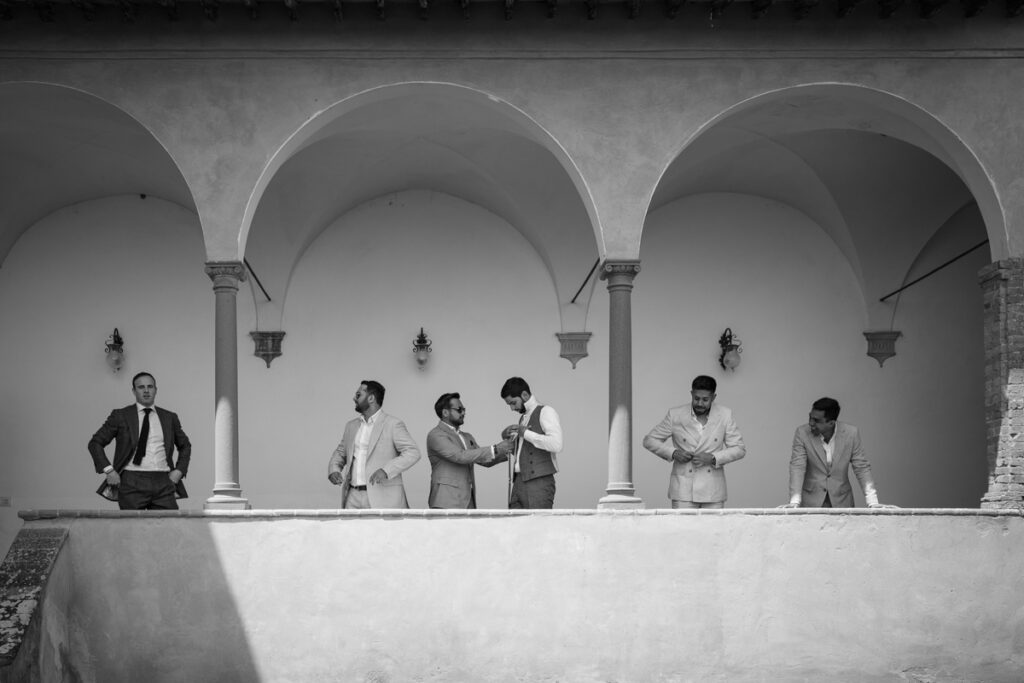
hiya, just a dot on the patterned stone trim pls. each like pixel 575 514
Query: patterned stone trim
pixel 23 575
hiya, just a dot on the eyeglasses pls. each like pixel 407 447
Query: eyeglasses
pixel 458 410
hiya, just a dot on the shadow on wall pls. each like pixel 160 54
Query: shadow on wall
pixel 132 600
pixel 413 596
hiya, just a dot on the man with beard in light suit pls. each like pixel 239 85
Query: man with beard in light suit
pixel 374 451
pixel 699 439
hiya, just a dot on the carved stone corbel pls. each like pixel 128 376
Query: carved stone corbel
pixel 882 344
pixel 574 346
pixel 268 344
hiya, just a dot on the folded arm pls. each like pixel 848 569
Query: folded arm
pixel 337 462
pixel 551 440
pixel 408 453
pixel 733 447
pixel 184 446
pixel 659 440
pixel 103 436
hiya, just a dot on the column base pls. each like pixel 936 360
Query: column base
pixel 218 502
pixel 619 501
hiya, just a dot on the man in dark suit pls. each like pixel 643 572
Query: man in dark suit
pixel 143 473
pixel 824 450
pixel 452 453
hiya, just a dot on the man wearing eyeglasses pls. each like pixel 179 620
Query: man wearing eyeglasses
pixel 824 450
pixel 452 453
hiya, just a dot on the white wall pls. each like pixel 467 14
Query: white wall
pixel 593 597
pixel 359 297
pixel 125 262
pixel 769 273
pixel 415 259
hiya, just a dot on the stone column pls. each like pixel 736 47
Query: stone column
pixel 620 492
pixel 227 494
pixel 1002 286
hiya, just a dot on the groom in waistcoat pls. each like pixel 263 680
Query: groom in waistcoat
pixel 537 442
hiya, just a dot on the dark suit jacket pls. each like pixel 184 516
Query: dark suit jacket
pixel 122 427
pixel 451 467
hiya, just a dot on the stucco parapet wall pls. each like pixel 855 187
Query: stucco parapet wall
pixel 45 515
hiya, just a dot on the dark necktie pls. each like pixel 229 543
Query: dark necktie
pixel 140 449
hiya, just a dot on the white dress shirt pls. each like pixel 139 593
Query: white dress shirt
pixel 155 459
pixel 361 449
pixel 551 440
pixel 828 446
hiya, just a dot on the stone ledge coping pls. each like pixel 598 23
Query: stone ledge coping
pixel 36 515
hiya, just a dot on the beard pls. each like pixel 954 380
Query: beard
pixel 362 407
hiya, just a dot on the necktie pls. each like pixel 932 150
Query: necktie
pixel 517 442
pixel 140 448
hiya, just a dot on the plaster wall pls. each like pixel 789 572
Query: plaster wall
pixel 591 597
pixel 412 259
pixel 125 262
pixel 223 101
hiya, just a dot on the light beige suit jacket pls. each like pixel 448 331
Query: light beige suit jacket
pixel 811 477
pixel 391 449
pixel 680 429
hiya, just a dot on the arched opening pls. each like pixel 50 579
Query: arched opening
pixel 420 205
pixel 98 232
pixel 787 219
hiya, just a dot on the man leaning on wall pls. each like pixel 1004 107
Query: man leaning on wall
pixel 824 450
pixel 143 475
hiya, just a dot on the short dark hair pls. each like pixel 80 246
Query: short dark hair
pixel 143 374
pixel 704 383
pixel 515 386
pixel 827 405
pixel 443 402
pixel 375 389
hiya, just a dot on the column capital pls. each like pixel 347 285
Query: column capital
pixel 620 267
pixel 225 274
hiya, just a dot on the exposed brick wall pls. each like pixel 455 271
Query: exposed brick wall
pixel 1002 285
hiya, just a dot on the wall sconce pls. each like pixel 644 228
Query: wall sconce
pixel 115 351
pixel 732 347
pixel 421 348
